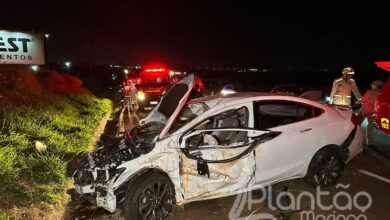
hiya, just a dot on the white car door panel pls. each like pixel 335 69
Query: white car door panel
pixel 210 168
pixel 289 154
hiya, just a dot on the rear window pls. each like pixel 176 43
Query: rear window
pixel 153 83
pixel 156 80
pixel 272 114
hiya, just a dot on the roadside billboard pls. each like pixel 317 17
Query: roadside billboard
pixel 21 48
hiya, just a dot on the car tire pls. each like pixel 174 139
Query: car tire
pixel 325 168
pixel 151 196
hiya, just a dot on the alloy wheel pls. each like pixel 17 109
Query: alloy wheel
pixel 155 202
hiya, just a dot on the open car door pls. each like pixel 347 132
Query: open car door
pixel 219 160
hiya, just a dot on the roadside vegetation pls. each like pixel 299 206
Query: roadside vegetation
pixel 45 120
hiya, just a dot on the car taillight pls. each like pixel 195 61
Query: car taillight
pixel 354 119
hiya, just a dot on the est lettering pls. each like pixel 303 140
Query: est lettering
pixel 14 44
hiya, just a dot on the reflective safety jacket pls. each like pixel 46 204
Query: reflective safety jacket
pixel 341 92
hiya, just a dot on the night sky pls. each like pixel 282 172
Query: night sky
pixel 200 33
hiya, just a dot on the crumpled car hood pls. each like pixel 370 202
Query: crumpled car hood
pixel 135 142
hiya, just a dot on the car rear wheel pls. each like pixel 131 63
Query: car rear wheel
pixel 152 196
pixel 325 168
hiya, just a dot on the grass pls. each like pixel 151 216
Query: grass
pixel 64 122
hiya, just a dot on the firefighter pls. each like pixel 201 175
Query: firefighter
pixel 367 109
pixel 126 92
pixel 197 90
pixel 132 96
pixel 342 87
pixel 172 83
pixel 369 98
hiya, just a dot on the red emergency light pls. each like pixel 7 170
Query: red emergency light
pixel 155 70
pixel 384 65
pixel 134 80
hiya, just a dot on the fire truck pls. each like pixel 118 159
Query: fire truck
pixel 146 88
pixel 377 131
pixel 382 104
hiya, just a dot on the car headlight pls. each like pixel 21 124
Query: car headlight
pixel 140 95
pixel 227 91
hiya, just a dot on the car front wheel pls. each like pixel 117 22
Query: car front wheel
pixel 152 196
pixel 325 168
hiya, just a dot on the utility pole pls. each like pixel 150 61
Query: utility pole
pixel 45 42
pixel 89 55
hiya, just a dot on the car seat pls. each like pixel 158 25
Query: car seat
pixel 227 137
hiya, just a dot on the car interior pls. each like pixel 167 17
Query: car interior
pixel 231 119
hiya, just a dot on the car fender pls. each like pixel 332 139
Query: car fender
pixel 166 161
pixel 331 122
pixel 332 147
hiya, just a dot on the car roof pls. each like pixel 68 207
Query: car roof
pixel 289 85
pixel 241 97
pixel 229 97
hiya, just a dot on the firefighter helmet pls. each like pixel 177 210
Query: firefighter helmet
pixel 348 70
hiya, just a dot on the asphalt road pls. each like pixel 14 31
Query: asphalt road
pixel 362 193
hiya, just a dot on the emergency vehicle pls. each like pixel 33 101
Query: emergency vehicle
pixel 152 83
pixel 150 86
pixel 377 133
pixel 382 104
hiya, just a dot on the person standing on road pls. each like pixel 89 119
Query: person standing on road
pixel 342 87
pixel 126 91
pixel 367 109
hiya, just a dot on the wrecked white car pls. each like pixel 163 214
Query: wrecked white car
pixel 214 147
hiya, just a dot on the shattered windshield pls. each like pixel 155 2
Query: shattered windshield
pixel 188 113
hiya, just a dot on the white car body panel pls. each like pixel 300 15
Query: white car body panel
pixel 189 81
pixel 356 146
pixel 288 154
pixel 224 178
pixel 285 157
